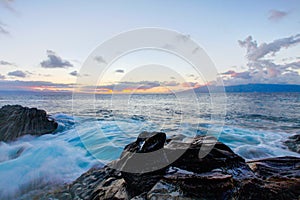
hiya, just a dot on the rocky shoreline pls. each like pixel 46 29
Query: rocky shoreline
pixel 220 175
pixel 16 121
pixel 157 167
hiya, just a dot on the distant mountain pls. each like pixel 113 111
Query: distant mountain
pixel 252 88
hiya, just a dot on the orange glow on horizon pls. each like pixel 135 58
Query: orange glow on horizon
pixel 99 90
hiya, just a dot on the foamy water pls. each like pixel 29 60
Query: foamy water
pixel 92 138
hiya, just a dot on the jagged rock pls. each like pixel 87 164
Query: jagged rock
pixel 146 142
pixel 16 121
pixel 279 178
pixel 133 163
pixel 220 157
pixel 216 176
pixel 293 143
pixel 94 184
pixel 112 188
pixel 269 168
pixel 163 190
pixel 221 174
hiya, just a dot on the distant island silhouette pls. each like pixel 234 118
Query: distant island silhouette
pixel 256 87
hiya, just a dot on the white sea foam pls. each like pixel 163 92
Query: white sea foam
pixel 255 144
pixel 33 162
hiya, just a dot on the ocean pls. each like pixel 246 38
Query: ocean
pixel 94 131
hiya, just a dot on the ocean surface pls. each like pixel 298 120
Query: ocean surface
pixel 93 131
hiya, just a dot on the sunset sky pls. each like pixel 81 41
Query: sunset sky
pixel 43 44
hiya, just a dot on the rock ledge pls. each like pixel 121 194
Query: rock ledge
pixel 220 175
pixel 16 121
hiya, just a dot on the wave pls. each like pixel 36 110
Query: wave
pixel 256 144
pixel 33 163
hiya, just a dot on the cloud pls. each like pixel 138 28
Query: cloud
pixel 17 73
pixel 54 61
pixel 261 65
pixel 3 29
pixel 18 85
pixel 182 37
pixel 127 85
pixel 100 59
pixel 190 84
pixel 276 15
pixel 44 75
pixel 7 5
pixel 229 72
pixel 74 73
pixel 169 47
pixel 32 85
pixel 3 62
pixel 256 52
pixel 120 71
pixel 293 65
pixel 142 84
pixel 242 75
pixel 170 83
pixel 2 76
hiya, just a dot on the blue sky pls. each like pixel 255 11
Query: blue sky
pixel 71 30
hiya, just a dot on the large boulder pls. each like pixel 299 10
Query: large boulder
pixel 221 174
pixel 280 177
pixel 218 175
pixel 16 121
pixel 139 170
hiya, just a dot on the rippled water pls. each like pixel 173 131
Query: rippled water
pixel 96 129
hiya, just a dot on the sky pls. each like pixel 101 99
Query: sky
pixel 44 44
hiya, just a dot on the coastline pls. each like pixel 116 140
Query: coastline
pixel 220 168
pixel 220 175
